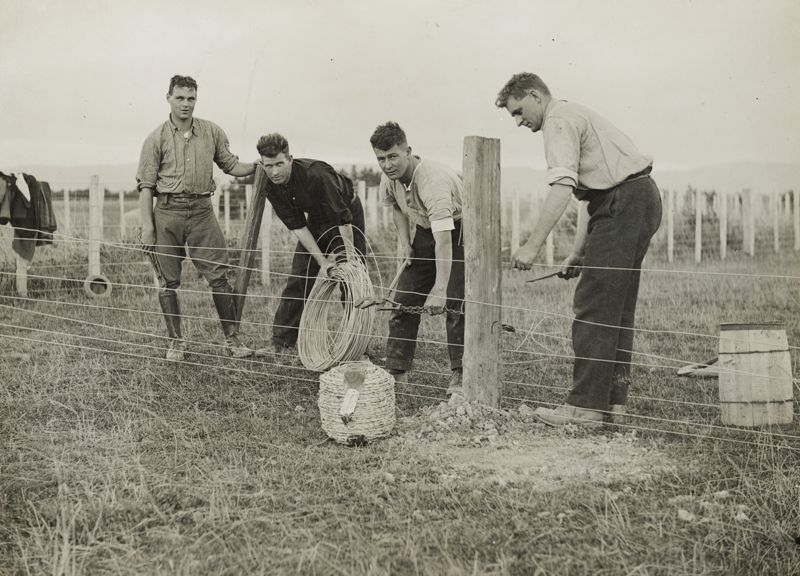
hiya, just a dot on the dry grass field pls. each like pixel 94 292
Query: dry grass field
pixel 114 461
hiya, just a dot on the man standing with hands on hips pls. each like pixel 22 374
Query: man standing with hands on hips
pixel 589 157
pixel 176 166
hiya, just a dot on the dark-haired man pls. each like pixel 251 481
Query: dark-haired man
pixel 426 200
pixel 319 206
pixel 176 166
pixel 589 157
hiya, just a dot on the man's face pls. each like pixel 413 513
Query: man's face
pixel 395 162
pixel 527 111
pixel 278 168
pixel 182 101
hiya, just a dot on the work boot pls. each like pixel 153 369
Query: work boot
pixel 400 376
pixel 568 414
pixel 172 318
pixel 225 304
pixel 177 350
pixel 456 383
pixel 618 414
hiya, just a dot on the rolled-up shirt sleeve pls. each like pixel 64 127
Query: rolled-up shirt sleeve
pixel 562 149
pixel 149 160
pixel 437 195
pixel 223 157
pixel 386 192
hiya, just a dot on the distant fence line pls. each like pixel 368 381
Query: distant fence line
pixel 735 219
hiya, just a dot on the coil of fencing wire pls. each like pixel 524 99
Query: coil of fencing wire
pixel 332 330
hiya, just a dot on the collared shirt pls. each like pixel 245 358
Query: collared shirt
pixel 586 151
pixel 433 198
pixel 171 163
pixel 316 189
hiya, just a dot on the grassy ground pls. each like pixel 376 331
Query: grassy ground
pixel 116 462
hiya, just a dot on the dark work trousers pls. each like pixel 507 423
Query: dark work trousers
pixel 621 222
pixel 304 274
pixel 189 220
pixel 413 287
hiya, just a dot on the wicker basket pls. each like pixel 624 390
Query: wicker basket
pixel 374 413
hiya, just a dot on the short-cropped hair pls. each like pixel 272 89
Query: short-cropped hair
pixel 272 144
pixel 518 86
pixel 388 135
pixel 178 81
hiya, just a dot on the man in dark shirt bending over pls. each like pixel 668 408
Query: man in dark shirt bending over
pixel 297 187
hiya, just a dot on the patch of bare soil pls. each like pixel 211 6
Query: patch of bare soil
pixel 485 445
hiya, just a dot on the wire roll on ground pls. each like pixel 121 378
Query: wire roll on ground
pixel 332 330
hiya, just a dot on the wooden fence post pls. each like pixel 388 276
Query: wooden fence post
pixel 95 224
pixel 723 225
pixel 122 214
pixel 671 225
pixel 373 208
pixel 215 204
pixel 515 219
pixel 483 271
pixel 21 276
pixel 776 223
pixel 748 216
pixel 266 236
pixel 227 211
pixel 796 218
pixel 249 241
pixel 248 197
pixel 66 228
pixel 698 225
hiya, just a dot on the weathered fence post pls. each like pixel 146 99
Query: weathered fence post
pixel 796 217
pixel 698 225
pixel 21 276
pixel 249 241
pixel 122 214
pixel 215 204
pixel 96 285
pixel 66 228
pixel 266 235
pixel 227 211
pixel 372 206
pixel 776 223
pixel 483 271
pixel 723 224
pixel 748 216
pixel 670 225
pixel 248 197
pixel 95 224
pixel 515 219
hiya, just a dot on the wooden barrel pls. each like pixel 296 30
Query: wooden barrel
pixel 755 374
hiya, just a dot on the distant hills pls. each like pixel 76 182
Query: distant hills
pixel 729 177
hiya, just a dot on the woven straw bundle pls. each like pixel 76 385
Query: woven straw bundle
pixel 374 413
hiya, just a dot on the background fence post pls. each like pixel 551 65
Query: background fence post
pixel 748 216
pixel 796 217
pixel 698 225
pixel 95 224
pixel 66 229
pixel 227 211
pixel 723 225
pixel 515 219
pixel 776 221
pixel 122 215
pixel 266 236
pixel 670 225
pixel 374 208
pixel 21 276
pixel 483 270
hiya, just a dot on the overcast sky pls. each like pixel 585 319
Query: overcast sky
pixel 693 83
